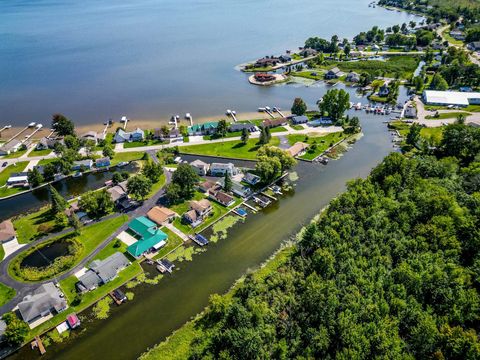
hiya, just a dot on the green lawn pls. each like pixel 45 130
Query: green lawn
pixel 318 144
pixel 227 149
pixel 173 241
pixel 6 294
pixel 319 74
pixel 114 246
pixel 433 133
pixel 450 115
pixel 278 129
pixel 297 127
pixel 15 154
pixel 46 161
pixel 404 66
pixel 183 207
pixel 127 156
pixel 157 186
pixel 2 253
pixel 229 134
pixel 36 152
pixel 34 225
pixel 451 40
pixel 377 98
pixel 134 144
pixel 6 173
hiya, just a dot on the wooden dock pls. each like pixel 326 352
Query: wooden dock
pixel 37 343
pixel 114 298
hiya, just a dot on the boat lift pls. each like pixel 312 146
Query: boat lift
pixel 38 127
pixel 189 118
pixel 124 120
pixel 233 114
pixel 269 112
pixel 276 109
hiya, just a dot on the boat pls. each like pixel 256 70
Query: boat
pixel 123 119
pixel 77 174
pixel 32 124
pixel 229 112
pixel 277 190
pixel 267 108
pixel 358 106
pixel 123 163
pixel 39 126
pixel 188 116
pixel 119 296
pixel 261 109
pixel 73 321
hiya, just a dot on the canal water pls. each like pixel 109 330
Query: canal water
pixel 159 309
pixel 94 60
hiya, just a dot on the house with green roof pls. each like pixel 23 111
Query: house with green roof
pixel 148 234
pixel 208 128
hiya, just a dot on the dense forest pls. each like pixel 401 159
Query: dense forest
pixel 390 270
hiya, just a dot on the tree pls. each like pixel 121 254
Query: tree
pixel 186 178
pixel 244 137
pixel 74 222
pixel 335 103
pixel 62 125
pixel 35 178
pixel 59 204
pixel 268 168
pixel 263 139
pixel 71 142
pixel 395 29
pixel 299 107
pixel 222 128
pixel 96 203
pixel 152 171
pixel 61 220
pixel 413 134
pixel 119 177
pixel 108 151
pixel 347 49
pixel 227 182
pixel 139 186
pixel 173 193
pixel 49 171
pixel 16 331
pixel 418 83
pixel 439 83
pixel 286 160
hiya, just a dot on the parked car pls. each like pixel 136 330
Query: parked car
pixel 4 164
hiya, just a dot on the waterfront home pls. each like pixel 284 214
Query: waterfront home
pixel 334 73
pixel 207 185
pixel 46 143
pixel 42 304
pixel 324 121
pixel 123 136
pixel 158 134
pixel 266 62
pixel 208 128
pixel 296 120
pixel 92 136
pixel 102 162
pixel 384 90
pixel 221 197
pixel 102 272
pixel 285 58
pixel 18 179
pixel 240 189
pixel 456 98
pixel 262 200
pixel 82 164
pixel 161 215
pixel 219 169
pixel 118 192
pixel 251 179
pixel 200 167
pixel 352 77
pixel 271 123
pixel 307 52
pixel 474 46
pixel 7 232
pixel 198 211
pixel 457 34
pixel 72 209
pixel 410 112
pixel 240 126
pixel 10 147
pixel 264 77
pixel 149 235
pixel 298 149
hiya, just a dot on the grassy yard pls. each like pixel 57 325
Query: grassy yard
pixel 278 129
pixel 228 149
pixel 114 246
pixel 173 241
pixel 451 40
pixel 183 207
pixel 404 66
pixel 46 161
pixel 229 134
pixel 6 173
pixel 157 186
pixel 450 115
pixel 15 154
pixel 2 252
pixel 377 98
pixel 434 134
pixel 314 74
pixel 126 156
pixel 36 152
pixel 297 127
pixel 318 144
pixel 34 225
pixel 6 294
pixel 134 144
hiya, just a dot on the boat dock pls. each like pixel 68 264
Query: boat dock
pixel 199 240
pixel 37 129
pixel 118 302
pixel 37 343
pixel 18 134
pixel 250 207
pixel 232 114
pixel 124 120
pixel 6 127
pixel 278 111
pixel 269 112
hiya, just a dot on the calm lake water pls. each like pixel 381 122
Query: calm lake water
pixel 99 59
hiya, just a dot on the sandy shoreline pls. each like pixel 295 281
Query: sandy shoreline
pixel 134 123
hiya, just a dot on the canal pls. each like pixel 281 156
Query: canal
pixel 159 309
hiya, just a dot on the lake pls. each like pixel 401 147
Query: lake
pixel 98 59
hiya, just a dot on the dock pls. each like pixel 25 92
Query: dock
pixel 279 112
pixel 125 120
pixel 269 112
pixel 5 128
pixel 37 343
pixel 250 207
pixel 37 129
pixel 118 302
pixel 18 134
pixel 199 240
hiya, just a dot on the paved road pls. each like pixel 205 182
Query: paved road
pixel 24 289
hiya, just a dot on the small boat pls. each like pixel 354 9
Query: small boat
pixel 32 124
pixel 188 116
pixel 123 163
pixel 267 108
pixel 73 321
pixel 123 119
pixel 39 126
pixel 277 190
pixel 77 174
pixel 229 112
pixel 261 109
pixel 119 296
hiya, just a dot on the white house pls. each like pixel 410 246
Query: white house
pixel 219 169
pixel 200 167
pixel 445 98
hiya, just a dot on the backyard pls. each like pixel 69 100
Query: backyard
pixel 318 144
pixel 6 173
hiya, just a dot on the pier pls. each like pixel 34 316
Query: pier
pixel 18 134
pixel 124 120
pixel 38 128
pixel 37 343
pixel 5 128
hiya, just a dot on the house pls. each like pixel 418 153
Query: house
pixel 92 136
pixel 219 169
pixel 102 162
pixel 299 119
pixel 18 179
pixel 72 209
pixel 208 128
pixel 375 47
pixel 437 46
pixel 38 307
pixel 240 189
pixel 158 134
pixel 161 215
pixel 221 197
pixel 307 52
pixel 262 200
pixel 118 192
pixel 207 185
pixel 456 98
pixel 240 126
pixel 334 73
pixel 384 90
pixel 102 271
pixel 251 179
pixel 266 62
pixel 150 236
pixel 46 143
pixel 200 167
pixel 474 46
pixel 82 164
pixel 410 112
pixel 457 34
pixel 271 123
pixel 352 77
pixel 123 136
pixel 7 232
pixel 297 149
pixel 264 77
pixel 10 147
pixel 285 58
pixel 198 211
pixel 73 321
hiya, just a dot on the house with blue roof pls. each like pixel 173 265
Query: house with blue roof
pixel 149 236
pixel 123 136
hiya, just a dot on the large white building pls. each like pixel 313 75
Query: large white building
pixel 445 98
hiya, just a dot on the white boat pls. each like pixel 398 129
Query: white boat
pixel 229 112
pixel 234 112
pixel 8 126
pixel 39 126
pixel 77 174
pixel 358 106
pixel 188 116
pixel 123 163
pixel 261 109
pixel 32 124
pixel 123 119
pixel 267 108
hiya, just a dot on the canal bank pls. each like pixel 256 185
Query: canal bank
pixel 158 310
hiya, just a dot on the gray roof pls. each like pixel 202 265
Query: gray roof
pixel 241 126
pixel 41 303
pixel 90 280
pixel 107 269
pixel 10 145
